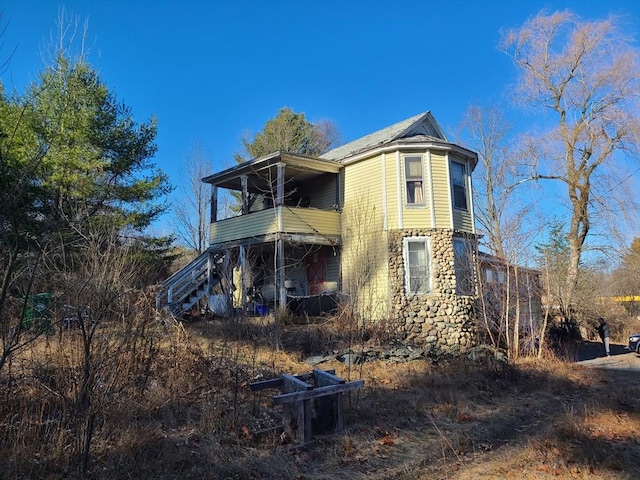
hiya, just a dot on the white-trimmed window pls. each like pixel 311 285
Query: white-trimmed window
pixel 463 264
pixel 414 180
pixel 417 264
pixel 458 173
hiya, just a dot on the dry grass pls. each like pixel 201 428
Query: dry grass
pixel 193 416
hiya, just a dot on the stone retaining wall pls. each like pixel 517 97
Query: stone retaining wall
pixel 441 321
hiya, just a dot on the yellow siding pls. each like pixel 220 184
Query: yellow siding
pixel 462 221
pixel 310 221
pixel 332 278
pixel 391 179
pixel 244 226
pixel 440 180
pixel 365 252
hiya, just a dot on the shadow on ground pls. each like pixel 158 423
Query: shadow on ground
pixel 588 350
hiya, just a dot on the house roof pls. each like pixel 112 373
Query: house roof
pixel 423 125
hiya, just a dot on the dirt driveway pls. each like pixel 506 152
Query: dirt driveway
pixel 590 354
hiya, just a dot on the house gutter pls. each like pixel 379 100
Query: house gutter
pixel 447 147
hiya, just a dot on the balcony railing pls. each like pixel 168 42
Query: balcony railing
pixel 291 220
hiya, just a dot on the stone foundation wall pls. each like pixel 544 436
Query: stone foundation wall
pixel 441 321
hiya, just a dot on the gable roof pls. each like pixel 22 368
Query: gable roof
pixel 422 124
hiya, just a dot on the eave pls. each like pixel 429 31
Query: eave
pixel 294 164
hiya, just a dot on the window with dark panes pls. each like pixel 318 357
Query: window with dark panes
pixel 459 185
pixel 463 264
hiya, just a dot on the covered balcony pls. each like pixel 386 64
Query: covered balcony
pixel 278 197
pixel 277 203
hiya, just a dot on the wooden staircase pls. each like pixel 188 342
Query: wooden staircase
pixel 181 291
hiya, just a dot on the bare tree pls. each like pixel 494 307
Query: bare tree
pixel 587 74
pixel 192 209
pixel 499 210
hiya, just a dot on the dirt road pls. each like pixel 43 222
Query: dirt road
pixel 591 354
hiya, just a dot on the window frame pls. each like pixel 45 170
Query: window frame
pixel 464 186
pixel 426 280
pixel 408 179
pixel 465 273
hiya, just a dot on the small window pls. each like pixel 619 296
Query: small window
pixel 459 185
pixel 463 264
pixel 494 276
pixel 417 265
pixel 414 180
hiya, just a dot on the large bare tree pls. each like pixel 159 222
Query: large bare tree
pixel 586 74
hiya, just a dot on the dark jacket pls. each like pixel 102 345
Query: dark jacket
pixel 603 330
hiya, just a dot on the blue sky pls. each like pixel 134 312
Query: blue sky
pixel 211 70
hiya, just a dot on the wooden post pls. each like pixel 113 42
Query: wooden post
pixel 214 204
pixel 245 195
pixel 296 416
pixel 281 292
pixel 329 408
pixel 243 281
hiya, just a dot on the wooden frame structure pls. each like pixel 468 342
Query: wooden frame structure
pixel 309 400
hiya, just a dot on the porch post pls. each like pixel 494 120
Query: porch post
pixel 280 272
pixel 280 185
pixel 280 261
pixel 214 203
pixel 243 279
pixel 245 195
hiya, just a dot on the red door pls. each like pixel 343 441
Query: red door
pixel 316 268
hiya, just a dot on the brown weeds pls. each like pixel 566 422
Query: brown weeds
pixel 183 409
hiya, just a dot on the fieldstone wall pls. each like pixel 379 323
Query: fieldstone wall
pixel 441 322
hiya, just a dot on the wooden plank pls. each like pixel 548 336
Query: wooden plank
pixel 338 406
pixel 293 384
pixel 277 382
pixel 316 392
pixel 264 384
pixel 328 408
pixel 308 430
pixel 324 378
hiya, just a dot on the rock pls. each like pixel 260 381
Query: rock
pixel 318 359
pixel 351 358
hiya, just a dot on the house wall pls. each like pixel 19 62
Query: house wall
pixel 391 176
pixel 333 269
pixel 441 190
pixel 440 321
pixel 374 210
pixel 464 220
pixel 321 191
pixel 364 248
pixel 414 216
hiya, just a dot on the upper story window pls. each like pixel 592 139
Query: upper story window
pixel 414 178
pixel 459 185
pixel 417 264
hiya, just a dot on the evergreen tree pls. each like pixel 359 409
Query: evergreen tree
pixel 289 132
pixel 97 163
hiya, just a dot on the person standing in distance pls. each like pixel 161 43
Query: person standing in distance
pixel 603 331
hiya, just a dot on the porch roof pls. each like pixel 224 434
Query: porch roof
pixel 299 166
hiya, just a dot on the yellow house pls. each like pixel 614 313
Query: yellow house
pixel 385 222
